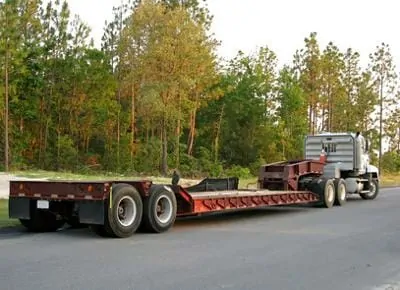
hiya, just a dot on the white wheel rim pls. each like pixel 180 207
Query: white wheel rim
pixel 372 189
pixel 163 209
pixel 331 194
pixel 342 192
pixel 126 211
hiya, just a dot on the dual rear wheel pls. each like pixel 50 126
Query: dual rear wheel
pixel 331 191
pixel 127 212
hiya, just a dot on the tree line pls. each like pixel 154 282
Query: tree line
pixel 156 96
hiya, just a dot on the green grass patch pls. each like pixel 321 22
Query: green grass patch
pixel 390 179
pixel 4 220
pixel 66 175
pixel 51 175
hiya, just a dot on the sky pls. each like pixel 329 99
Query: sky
pixel 282 25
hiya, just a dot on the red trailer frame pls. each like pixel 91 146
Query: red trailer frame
pixel 278 184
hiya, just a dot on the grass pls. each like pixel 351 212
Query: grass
pixel 51 175
pixel 4 220
pixel 387 180
pixel 390 179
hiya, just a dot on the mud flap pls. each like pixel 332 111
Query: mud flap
pixel 19 208
pixel 91 212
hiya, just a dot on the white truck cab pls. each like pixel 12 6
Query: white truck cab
pixel 347 157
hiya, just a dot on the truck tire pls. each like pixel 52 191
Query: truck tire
pixel 159 210
pixel 340 192
pixel 125 215
pixel 325 188
pixel 374 190
pixel 42 221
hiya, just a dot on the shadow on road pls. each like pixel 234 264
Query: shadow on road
pixel 182 222
pixel 238 215
pixel 201 221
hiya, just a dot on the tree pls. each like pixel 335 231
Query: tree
pixel 239 124
pixel 384 75
pixel 308 62
pixel 292 112
pixel 164 56
pixel 351 82
pixel 333 98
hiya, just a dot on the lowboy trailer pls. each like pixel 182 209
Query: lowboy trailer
pixel 121 208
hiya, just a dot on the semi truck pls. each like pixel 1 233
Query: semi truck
pixel 334 165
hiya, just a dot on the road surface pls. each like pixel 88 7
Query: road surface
pixel 353 247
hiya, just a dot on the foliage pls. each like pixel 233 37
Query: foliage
pixel 155 96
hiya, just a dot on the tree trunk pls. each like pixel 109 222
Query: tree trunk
pixel 41 131
pixel 217 135
pixel 46 137
pixel 58 133
pixel 164 158
pixel 132 123
pixel 178 133
pixel 380 124
pixel 192 131
pixel 310 120
pixel 6 113
pixel 118 126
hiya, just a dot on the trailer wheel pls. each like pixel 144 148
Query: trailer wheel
pixel 373 190
pixel 125 215
pixel 159 210
pixel 325 188
pixel 340 192
pixel 42 221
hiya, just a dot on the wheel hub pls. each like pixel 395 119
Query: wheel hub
pixel 164 209
pixel 126 211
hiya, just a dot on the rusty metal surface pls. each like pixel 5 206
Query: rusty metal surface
pixel 221 203
pixel 71 190
pixel 285 175
pixel 240 193
pixel 58 189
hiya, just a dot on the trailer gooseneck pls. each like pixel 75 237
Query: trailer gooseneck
pixel 120 208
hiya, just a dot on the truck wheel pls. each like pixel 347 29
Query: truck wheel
pixel 125 215
pixel 325 188
pixel 341 192
pixel 328 193
pixel 42 221
pixel 159 210
pixel 373 190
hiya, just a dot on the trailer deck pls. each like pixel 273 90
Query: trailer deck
pixel 225 200
pixel 119 208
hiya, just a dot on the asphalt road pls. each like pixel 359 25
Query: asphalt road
pixel 353 247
